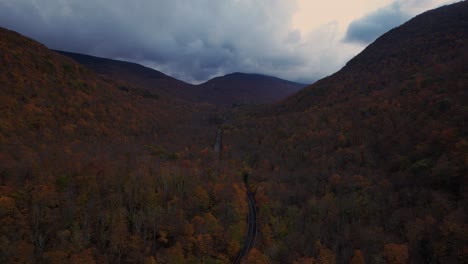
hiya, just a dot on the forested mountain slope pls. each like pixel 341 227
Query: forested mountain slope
pixel 104 171
pixel 369 163
pixel 416 50
pixel 135 74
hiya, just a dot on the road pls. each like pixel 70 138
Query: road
pixel 251 234
pixel 219 141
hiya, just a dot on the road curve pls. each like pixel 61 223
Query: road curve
pixel 251 235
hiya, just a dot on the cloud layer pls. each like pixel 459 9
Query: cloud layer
pixel 371 26
pixel 198 39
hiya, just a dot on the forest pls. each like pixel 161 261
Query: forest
pixel 368 165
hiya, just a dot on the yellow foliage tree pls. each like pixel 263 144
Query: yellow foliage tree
pixel 396 253
pixel 358 257
pixel 326 255
pixel 256 257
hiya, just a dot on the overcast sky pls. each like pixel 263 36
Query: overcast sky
pixel 195 40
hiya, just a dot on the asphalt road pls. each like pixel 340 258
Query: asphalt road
pixel 251 234
pixel 251 227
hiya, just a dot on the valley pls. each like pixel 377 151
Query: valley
pixel 106 161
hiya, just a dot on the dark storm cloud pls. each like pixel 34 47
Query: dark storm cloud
pixel 371 26
pixel 192 40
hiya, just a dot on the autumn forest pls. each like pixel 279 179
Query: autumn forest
pixel 105 161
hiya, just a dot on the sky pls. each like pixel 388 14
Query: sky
pixel 196 40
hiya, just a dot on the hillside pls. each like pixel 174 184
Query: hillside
pixel 134 74
pixel 104 171
pixel 415 50
pixel 368 164
pixel 243 88
pixel 235 88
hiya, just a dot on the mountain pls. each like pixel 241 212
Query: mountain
pixel 369 164
pixel 235 88
pixel 241 88
pixel 402 53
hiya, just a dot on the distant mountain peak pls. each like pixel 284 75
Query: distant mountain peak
pixel 251 88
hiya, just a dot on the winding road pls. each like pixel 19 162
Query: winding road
pixel 251 235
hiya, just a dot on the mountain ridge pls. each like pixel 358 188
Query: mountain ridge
pixel 415 38
pixel 244 91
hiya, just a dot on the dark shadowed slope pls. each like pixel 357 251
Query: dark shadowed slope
pixel 236 88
